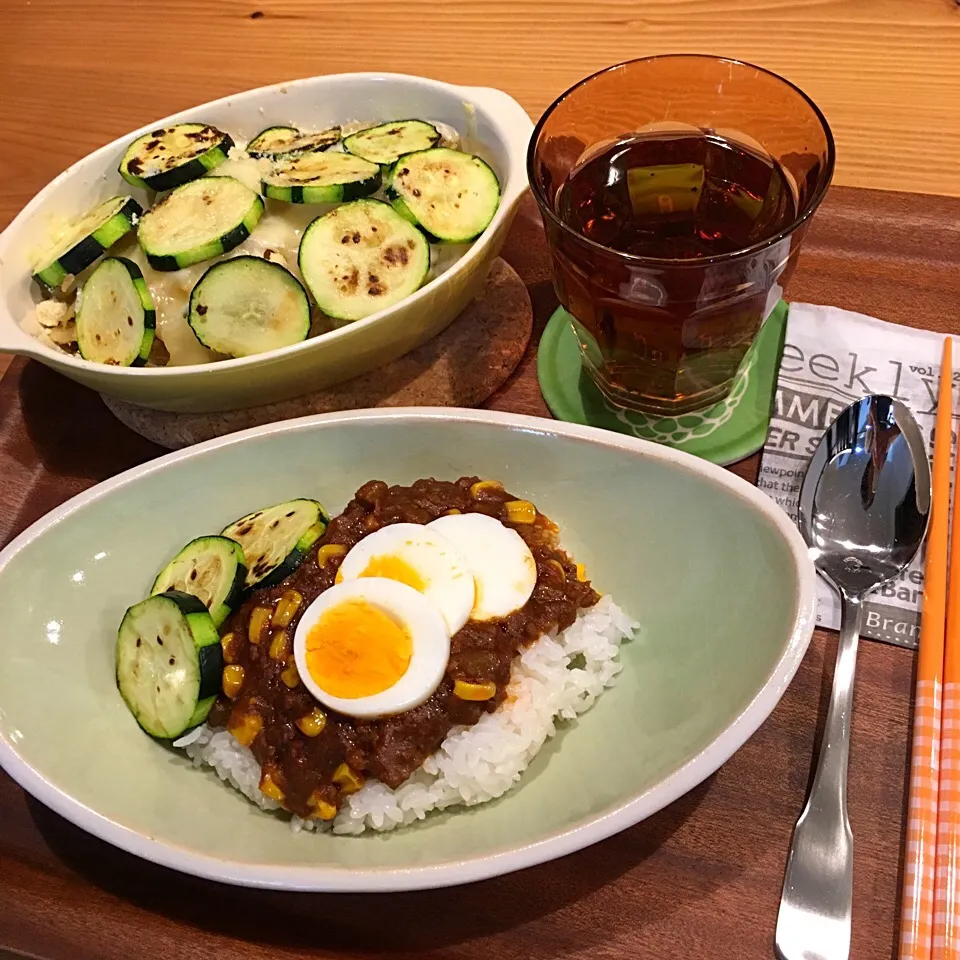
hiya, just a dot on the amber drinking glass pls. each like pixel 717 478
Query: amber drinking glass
pixel 675 193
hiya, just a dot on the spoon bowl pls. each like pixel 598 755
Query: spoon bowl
pixel 865 501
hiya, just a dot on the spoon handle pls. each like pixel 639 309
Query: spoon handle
pixel 814 918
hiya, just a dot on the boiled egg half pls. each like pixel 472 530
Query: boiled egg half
pixel 371 647
pixel 503 568
pixel 420 557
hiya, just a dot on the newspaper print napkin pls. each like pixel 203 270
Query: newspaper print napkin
pixel 831 357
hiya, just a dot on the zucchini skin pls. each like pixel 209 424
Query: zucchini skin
pixel 236 594
pixel 223 244
pixel 233 238
pixel 90 247
pixel 294 558
pixel 191 170
pixel 149 311
pixel 295 146
pixel 244 525
pixel 261 153
pixel 187 602
pixel 77 258
pixel 387 165
pixel 209 650
pixel 146 304
pixel 400 205
pixel 210 660
pixel 334 193
pixel 235 598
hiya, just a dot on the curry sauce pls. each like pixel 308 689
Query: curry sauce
pixel 311 757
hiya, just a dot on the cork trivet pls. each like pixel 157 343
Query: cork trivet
pixel 460 367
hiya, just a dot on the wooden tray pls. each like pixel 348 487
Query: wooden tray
pixel 701 879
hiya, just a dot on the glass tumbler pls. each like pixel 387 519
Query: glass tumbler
pixel 664 331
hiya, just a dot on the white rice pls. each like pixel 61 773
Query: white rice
pixel 557 678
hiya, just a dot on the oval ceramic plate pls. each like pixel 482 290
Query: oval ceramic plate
pixel 715 572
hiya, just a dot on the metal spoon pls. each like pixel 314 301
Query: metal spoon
pixel 864 507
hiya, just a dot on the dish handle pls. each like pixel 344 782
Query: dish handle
pixel 17 341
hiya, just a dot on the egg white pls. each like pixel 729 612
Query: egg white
pixel 448 580
pixel 502 565
pixel 409 608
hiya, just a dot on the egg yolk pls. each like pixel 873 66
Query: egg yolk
pixel 394 568
pixel 356 650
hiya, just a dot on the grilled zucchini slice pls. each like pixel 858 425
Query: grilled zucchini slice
pixel 276 539
pixel 451 196
pixel 321 177
pixel 202 219
pixel 116 319
pixel 87 238
pixel 361 258
pixel 272 140
pixel 288 141
pixel 387 142
pixel 171 156
pixel 169 663
pixel 248 305
pixel 212 569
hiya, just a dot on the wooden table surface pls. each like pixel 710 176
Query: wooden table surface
pixel 885 72
pixel 701 879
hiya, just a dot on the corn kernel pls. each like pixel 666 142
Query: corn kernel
pixel 245 730
pixel 232 680
pixel 290 675
pixel 329 550
pixel 581 573
pixel 278 646
pixel 348 781
pixel 226 644
pixel 452 513
pixel 474 691
pixel 558 566
pixel 520 511
pixel 313 723
pixel 481 486
pixel 323 810
pixel 287 608
pixel 258 622
pixel 270 788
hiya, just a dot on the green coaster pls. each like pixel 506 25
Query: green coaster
pixel 726 432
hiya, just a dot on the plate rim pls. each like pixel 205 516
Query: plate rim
pixel 496 863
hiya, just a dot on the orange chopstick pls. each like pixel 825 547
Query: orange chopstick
pixel 919 865
pixel 946 900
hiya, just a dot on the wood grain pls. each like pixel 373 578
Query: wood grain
pixel 885 72
pixel 700 879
